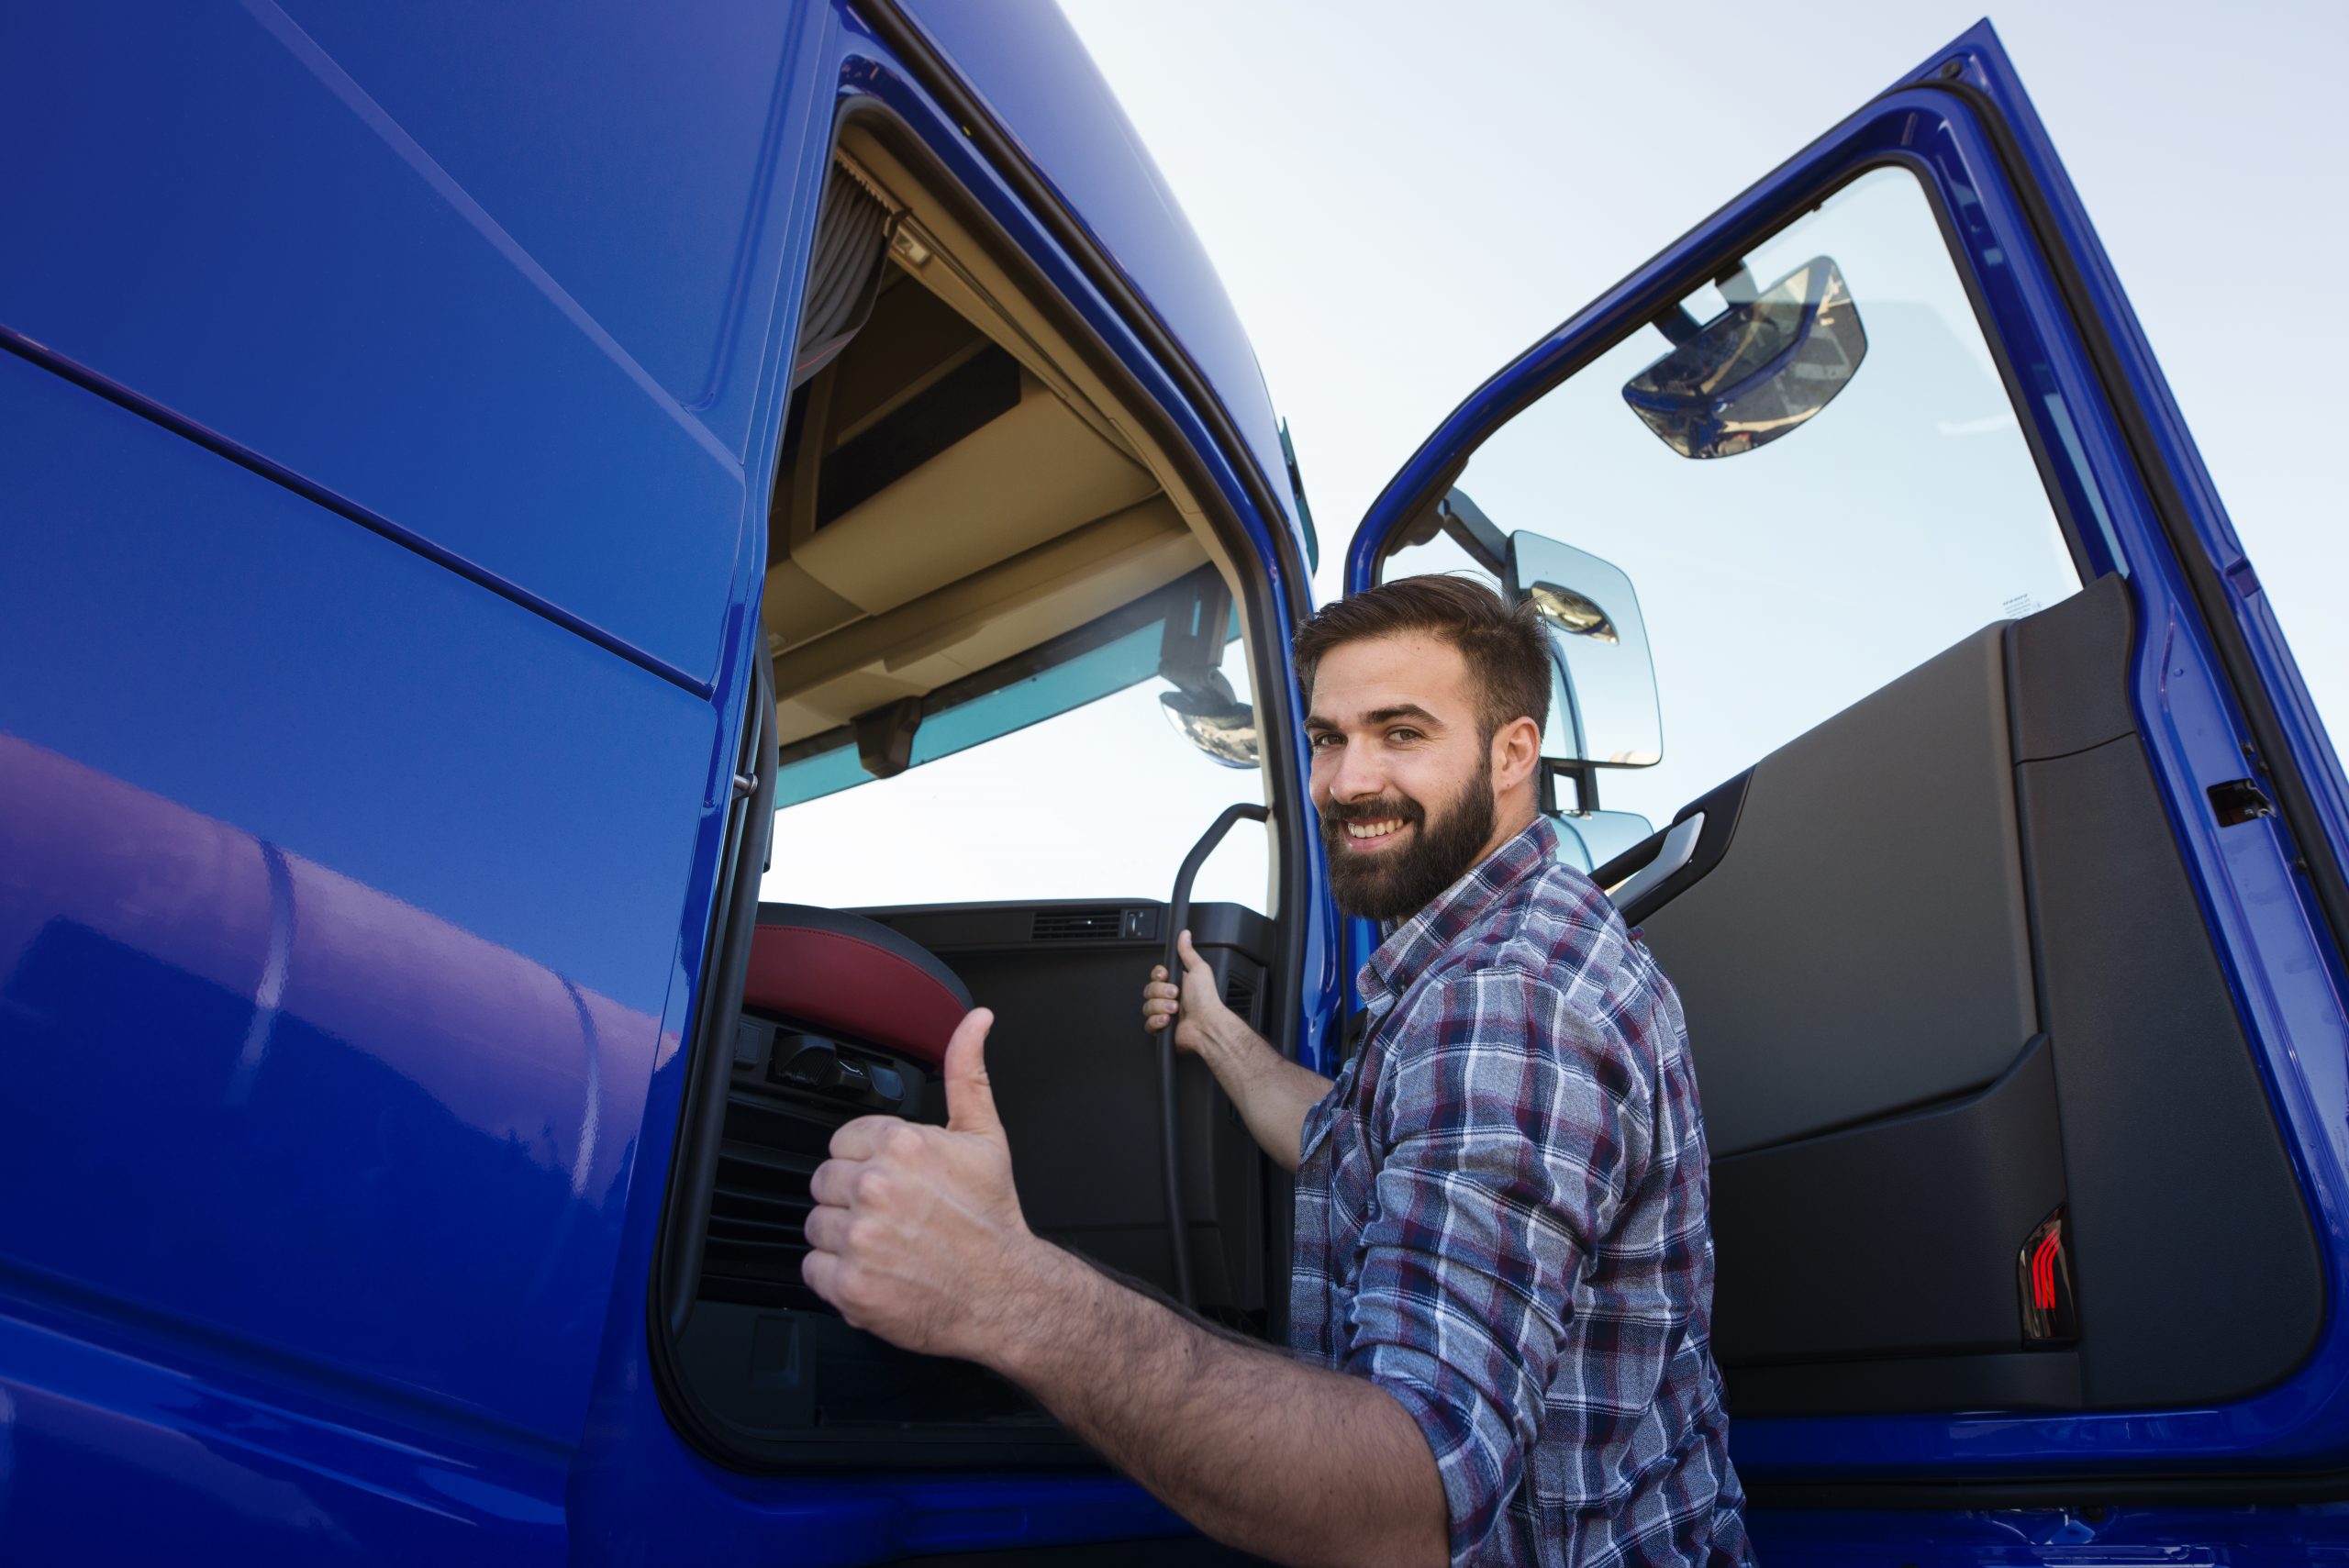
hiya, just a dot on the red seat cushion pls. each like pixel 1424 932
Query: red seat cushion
pixel 842 975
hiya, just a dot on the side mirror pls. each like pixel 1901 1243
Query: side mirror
pixel 1603 709
pixel 1212 719
pixel 1757 370
pixel 1203 707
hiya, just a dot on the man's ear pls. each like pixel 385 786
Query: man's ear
pixel 1517 753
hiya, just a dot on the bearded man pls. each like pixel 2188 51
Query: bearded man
pixel 1500 1303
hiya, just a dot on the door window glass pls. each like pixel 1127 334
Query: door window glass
pixel 1793 575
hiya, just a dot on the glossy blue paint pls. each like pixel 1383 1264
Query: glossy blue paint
pixel 2283 967
pixel 240 224
pixel 379 406
pixel 325 1036
pixel 2244 1537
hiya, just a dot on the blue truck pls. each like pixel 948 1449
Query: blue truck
pixel 537 536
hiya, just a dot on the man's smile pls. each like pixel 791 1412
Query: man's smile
pixel 1377 834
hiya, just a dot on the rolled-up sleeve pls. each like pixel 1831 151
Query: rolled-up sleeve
pixel 1509 1130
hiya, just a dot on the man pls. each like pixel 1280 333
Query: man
pixel 1501 1300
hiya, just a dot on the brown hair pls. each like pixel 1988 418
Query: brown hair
pixel 1507 652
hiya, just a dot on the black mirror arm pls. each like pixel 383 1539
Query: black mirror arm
pixel 1586 777
pixel 1473 532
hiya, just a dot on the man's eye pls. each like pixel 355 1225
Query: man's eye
pixel 1322 741
pixel 1402 735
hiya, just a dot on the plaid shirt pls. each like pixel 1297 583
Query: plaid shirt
pixel 1501 1220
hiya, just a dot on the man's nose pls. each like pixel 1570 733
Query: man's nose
pixel 1357 775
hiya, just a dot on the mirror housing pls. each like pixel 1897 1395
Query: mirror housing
pixel 1756 370
pixel 1203 707
pixel 1603 708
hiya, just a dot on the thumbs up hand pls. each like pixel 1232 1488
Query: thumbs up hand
pixel 917 1233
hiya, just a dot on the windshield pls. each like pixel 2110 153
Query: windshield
pixel 1061 776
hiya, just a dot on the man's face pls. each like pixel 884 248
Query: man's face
pixel 1402 771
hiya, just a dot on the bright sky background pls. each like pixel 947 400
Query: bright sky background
pixel 1398 206
pixel 1401 197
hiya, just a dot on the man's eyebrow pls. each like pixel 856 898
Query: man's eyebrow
pixel 1402 710
pixel 1378 716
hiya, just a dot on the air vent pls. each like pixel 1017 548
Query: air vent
pixel 1240 996
pixel 757 1235
pixel 1075 925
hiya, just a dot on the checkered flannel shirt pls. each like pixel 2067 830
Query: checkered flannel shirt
pixel 1501 1220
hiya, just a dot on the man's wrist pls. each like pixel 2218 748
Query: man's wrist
pixel 1045 1286
pixel 1229 1043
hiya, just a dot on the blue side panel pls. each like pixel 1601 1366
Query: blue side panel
pixel 1028 66
pixel 567 121
pixel 2270 1535
pixel 108 1456
pixel 289 249
pixel 339 905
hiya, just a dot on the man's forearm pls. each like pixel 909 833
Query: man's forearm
pixel 1288 1460
pixel 1272 1094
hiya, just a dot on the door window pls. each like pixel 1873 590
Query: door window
pixel 1788 577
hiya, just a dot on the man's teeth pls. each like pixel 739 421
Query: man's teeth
pixel 1372 829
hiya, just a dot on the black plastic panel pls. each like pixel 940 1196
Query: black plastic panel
pixel 2067 668
pixel 2013 1380
pixel 1077 1080
pixel 2198 1275
pixel 1895 1238
pixel 1862 948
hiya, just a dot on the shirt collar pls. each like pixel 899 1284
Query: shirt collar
pixel 1413 945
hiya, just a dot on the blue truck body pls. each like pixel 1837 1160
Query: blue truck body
pixel 390 406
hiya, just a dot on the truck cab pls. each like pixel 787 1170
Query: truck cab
pixel 581 584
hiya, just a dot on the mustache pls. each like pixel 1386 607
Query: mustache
pixel 1402 807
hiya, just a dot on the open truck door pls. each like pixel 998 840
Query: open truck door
pixel 1918 704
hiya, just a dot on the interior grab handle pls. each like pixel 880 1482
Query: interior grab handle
pixel 1679 847
pixel 1179 916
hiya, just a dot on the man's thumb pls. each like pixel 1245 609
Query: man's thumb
pixel 1192 961
pixel 970 1098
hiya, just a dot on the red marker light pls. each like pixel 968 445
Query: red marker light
pixel 2043 1270
pixel 2043 1281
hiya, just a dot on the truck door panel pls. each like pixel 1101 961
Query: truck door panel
pixel 1883 1141
pixel 2040 938
pixel 1815 915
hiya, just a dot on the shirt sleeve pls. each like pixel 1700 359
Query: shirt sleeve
pixel 1511 1127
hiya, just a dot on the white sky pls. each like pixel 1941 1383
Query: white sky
pixel 1401 198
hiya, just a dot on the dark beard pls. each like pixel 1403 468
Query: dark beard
pixel 1395 885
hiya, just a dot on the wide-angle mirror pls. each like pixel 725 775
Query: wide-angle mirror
pixel 1603 709
pixel 1756 371
pixel 1203 707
